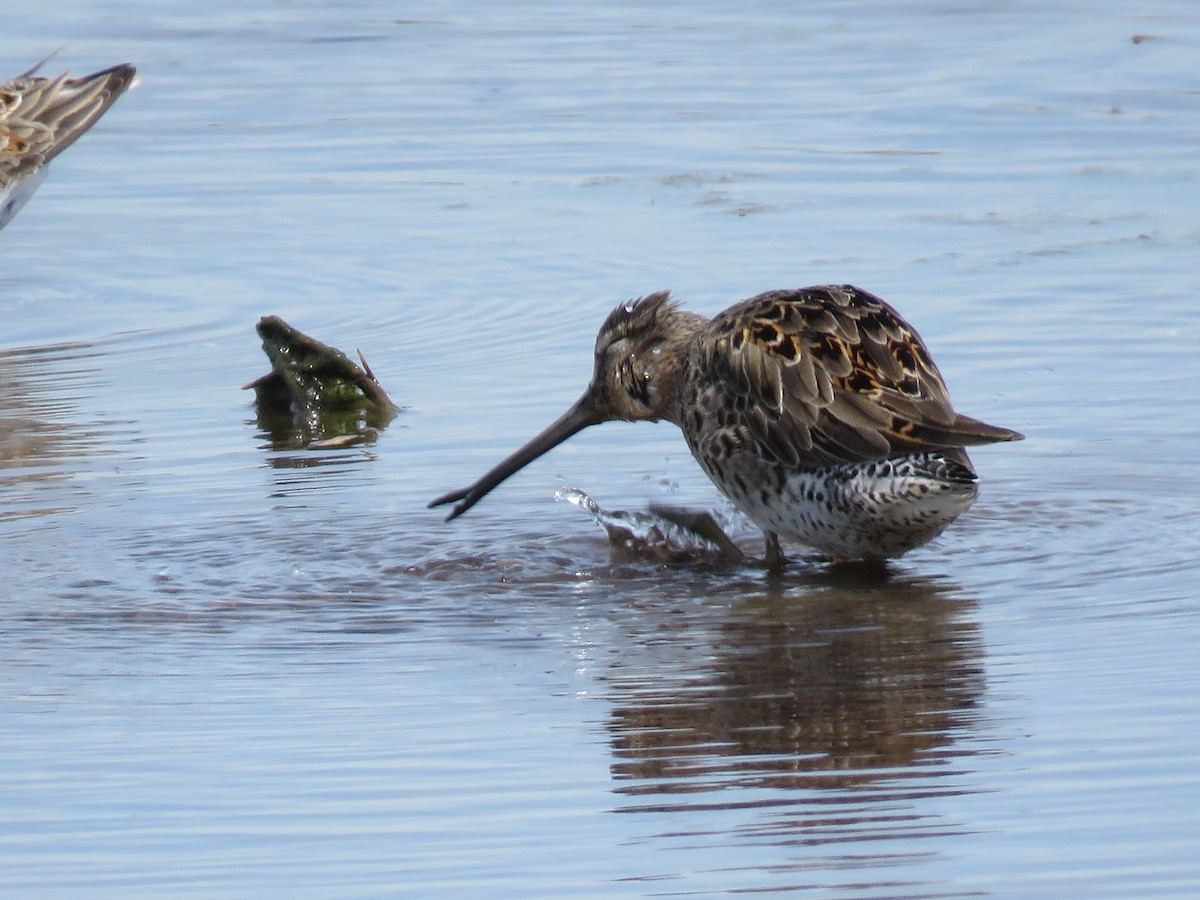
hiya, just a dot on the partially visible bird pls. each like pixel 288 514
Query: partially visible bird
pixel 41 117
pixel 819 412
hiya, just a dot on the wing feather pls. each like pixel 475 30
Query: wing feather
pixel 828 374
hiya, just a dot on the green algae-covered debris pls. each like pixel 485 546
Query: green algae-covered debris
pixel 315 395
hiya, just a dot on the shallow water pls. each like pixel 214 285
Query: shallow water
pixel 232 669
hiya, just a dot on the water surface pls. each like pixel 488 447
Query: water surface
pixel 231 669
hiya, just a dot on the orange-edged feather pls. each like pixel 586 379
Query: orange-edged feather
pixel 832 374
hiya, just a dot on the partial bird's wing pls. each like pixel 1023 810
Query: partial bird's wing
pixel 824 375
pixel 41 117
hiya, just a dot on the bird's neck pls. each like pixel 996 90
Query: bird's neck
pixel 674 363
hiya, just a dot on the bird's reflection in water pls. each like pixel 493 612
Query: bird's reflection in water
pixel 46 442
pixel 850 694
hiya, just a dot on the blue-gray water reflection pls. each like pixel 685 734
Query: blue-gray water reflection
pixel 235 668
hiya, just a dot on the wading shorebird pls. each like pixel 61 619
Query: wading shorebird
pixel 819 412
pixel 41 117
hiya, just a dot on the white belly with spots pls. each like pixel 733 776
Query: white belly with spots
pixel 872 510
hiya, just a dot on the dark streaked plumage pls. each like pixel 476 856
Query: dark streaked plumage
pixel 41 117
pixel 819 412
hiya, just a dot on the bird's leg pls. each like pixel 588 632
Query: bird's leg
pixel 774 559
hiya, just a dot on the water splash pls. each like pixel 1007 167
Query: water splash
pixel 667 533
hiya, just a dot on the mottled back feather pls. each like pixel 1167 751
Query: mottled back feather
pixel 824 375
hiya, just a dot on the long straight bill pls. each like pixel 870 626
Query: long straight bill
pixel 574 420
